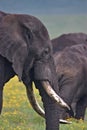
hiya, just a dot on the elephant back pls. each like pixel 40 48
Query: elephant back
pixel 70 39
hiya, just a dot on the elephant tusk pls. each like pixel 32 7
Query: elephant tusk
pixel 64 121
pixel 36 106
pixel 34 102
pixel 53 94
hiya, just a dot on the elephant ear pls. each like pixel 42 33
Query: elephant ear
pixel 14 49
pixel 18 60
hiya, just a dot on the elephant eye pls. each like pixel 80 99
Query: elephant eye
pixel 46 52
pixel 29 34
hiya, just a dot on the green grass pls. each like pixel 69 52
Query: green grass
pixel 17 113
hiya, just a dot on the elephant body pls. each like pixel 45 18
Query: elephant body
pixel 69 39
pixel 26 51
pixel 71 67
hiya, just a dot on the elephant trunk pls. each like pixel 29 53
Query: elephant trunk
pixel 51 108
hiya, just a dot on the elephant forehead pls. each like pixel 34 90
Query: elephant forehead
pixel 36 27
pixel 14 22
pixel 29 21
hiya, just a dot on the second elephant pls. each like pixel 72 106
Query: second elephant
pixel 64 40
pixel 67 40
pixel 71 67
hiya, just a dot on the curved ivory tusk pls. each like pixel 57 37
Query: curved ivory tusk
pixel 36 106
pixel 53 94
pixel 64 121
pixel 33 102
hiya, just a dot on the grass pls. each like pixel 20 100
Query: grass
pixel 17 113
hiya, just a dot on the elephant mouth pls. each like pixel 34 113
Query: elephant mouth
pixel 45 80
pixel 47 87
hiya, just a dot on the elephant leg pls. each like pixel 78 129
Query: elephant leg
pixel 69 113
pixel 68 87
pixel 73 106
pixel 81 108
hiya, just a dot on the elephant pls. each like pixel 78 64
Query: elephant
pixel 59 43
pixel 72 77
pixel 26 51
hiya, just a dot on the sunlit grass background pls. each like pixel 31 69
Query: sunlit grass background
pixel 17 113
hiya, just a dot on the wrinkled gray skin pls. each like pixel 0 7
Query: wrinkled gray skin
pixel 71 67
pixel 59 43
pixel 25 51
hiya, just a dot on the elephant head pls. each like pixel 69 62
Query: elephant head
pixel 25 47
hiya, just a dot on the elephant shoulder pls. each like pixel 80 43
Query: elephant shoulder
pixel 68 63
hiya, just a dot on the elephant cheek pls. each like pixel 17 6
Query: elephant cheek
pixel 42 72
